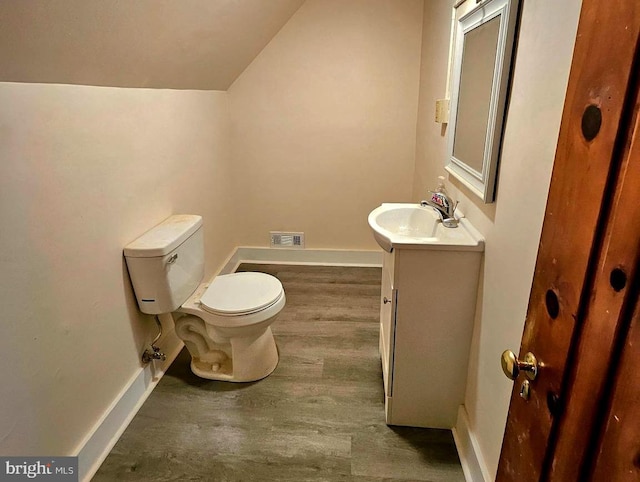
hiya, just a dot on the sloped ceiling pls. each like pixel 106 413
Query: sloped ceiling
pixel 177 44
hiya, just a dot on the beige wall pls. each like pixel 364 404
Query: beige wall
pixel 84 171
pixel 185 44
pixel 513 223
pixel 323 122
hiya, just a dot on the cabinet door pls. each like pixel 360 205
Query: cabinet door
pixel 388 298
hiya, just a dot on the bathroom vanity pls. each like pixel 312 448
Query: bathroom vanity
pixel 427 308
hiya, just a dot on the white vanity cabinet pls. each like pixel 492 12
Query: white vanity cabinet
pixel 427 308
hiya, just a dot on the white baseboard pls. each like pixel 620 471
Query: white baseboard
pixel 105 433
pixel 320 257
pixel 473 465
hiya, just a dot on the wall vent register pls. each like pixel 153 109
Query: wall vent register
pixel 287 240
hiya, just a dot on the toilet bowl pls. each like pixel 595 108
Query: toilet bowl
pixel 226 326
pixel 226 323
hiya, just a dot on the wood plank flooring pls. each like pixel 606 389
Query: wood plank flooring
pixel 318 417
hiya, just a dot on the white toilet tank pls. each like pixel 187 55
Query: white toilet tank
pixel 166 264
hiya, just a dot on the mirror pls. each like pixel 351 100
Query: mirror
pixel 482 51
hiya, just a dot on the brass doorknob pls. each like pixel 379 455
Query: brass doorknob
pixel 511 366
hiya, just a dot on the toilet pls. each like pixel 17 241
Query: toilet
pixel 225 323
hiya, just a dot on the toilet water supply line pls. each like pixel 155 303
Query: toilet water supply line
pixel 148 356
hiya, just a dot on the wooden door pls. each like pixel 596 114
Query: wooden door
pixel 585 286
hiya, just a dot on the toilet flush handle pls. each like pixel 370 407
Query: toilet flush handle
pixel 172 258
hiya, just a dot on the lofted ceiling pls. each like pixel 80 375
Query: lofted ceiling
pixel 176 44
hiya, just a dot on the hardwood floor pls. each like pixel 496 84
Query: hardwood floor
pixel 318 417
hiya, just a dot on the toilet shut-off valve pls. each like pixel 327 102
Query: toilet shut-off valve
pixel 154 354
pixel 148 356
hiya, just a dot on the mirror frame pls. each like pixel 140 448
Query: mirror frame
pixel 483 183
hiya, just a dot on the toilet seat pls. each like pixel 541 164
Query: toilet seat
pixel 240 294
pixel 235 343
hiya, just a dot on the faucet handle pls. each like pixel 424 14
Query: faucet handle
pixel 455 205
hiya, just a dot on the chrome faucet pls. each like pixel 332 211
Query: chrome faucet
pixel 444 206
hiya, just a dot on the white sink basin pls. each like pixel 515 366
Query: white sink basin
pixel 413 226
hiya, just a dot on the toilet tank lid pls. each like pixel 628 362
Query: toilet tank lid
pixel 165 237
